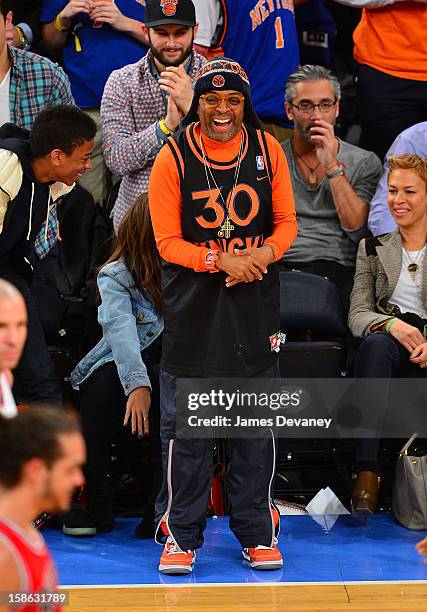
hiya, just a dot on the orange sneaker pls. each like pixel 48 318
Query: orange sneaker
pixel 263 557
pixel 276 520
pixel 176 561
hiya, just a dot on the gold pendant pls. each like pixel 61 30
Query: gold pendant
pixel 312 179
pixel 226 228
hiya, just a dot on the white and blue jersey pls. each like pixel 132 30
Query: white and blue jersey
pixel 261 35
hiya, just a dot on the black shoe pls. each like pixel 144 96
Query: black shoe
pixel 145 529
pixel 78 522
pixel 100 501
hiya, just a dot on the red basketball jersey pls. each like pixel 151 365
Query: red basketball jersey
pixel 34 563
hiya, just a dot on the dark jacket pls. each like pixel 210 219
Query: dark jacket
pixel 24 202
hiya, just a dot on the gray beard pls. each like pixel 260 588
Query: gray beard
pixel 212 134
pixel 304 132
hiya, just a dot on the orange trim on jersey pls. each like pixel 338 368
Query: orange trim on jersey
pixel 217 49
pixel 197 151
pixel 261 144
pixel 175 147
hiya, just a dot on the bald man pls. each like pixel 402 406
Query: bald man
pixel 13 333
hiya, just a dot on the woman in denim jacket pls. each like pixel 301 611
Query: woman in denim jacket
pixel 118 378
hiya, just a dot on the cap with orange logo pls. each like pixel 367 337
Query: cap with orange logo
pixel 162 12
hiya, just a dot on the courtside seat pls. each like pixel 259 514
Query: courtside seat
pixel 313 318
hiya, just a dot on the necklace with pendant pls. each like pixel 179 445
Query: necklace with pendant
pixel 227 227
pixel 413 266
pixel 312 178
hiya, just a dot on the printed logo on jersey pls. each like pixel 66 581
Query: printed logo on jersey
pixel 260 162
pixel 276 340
pixel 169 7
pixel 213 215
pixel 218 81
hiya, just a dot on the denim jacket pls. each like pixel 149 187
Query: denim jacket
pixel 129 324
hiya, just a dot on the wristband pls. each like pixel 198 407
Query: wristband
pixel 164 128
pixel 57 24
pixel 338 172
pixel 389 324
pixel 210 261
pixel 272 250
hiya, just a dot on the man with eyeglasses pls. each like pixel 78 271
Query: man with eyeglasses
pixel 333 181
pixel 223 213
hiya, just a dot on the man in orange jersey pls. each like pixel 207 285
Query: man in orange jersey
pixel 390 44
pixel 41 458
pixel 223 213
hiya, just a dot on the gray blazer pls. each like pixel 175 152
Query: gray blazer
pixel 378 266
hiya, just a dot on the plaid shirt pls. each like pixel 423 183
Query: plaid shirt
pixel 35 83
pixel 46 240
pixel 131 106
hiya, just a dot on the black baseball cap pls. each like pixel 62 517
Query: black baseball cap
pixel 176 12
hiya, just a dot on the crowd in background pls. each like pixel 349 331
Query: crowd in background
pixel 346 114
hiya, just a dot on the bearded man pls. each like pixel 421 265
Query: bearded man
pixel 143 103
pixel 333 181
pixel 223 213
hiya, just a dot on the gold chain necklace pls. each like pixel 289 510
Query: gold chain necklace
pixel 227 227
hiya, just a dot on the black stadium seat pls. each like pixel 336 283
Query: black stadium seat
pixel 313 318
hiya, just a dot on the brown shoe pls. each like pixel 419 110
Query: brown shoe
pixel 365 493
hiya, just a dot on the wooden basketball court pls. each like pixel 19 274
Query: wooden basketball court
pixel 355 597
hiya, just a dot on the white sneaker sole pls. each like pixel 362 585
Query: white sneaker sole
pixel 174 569
pixel 262 565
pixel 79 531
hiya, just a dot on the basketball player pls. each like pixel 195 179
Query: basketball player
pixel 41 457
pixel 13 333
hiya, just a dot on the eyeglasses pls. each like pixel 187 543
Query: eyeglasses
pixel 213 100
pixel 308 107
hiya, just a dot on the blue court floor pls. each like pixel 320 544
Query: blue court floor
pixel 328 549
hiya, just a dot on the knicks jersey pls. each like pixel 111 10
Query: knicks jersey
pixel 262 37
pixel 34 564
pixel 211 330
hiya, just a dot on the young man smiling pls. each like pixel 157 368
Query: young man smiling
pixel 36 169
pixel 221 201
pixel 143 103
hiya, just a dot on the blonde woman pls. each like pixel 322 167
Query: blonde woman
pixel 389 306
